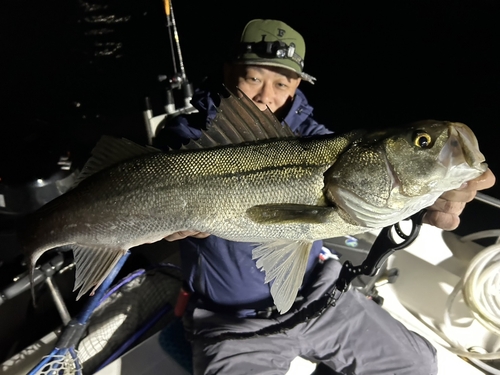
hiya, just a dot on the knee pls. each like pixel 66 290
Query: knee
pixel 425 362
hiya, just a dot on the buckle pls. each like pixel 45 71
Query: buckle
pixel 265 314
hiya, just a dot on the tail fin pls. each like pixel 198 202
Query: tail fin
pixel 33 258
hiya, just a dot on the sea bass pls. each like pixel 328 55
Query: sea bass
pixel 249 178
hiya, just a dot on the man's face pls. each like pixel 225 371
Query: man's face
pixel 267 86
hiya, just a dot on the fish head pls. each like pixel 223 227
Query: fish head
pixel 387 176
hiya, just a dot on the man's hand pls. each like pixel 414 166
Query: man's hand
pixel 186 233
pixel 445 212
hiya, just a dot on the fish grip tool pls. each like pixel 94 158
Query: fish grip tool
pixel 384 245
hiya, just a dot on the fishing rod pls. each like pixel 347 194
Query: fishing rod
pixel 179 79
pixel 172 28
pixel 177 82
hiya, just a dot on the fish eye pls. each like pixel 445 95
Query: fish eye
pixel 422 140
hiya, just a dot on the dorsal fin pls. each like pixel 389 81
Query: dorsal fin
pixel 109 151
pixel 239 120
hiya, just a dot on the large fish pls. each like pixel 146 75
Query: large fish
pixel 250 179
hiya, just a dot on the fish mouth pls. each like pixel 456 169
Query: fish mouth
pixel 460 158
pixel 462 148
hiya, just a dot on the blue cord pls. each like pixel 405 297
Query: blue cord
pixel 122 282
pixel 76 360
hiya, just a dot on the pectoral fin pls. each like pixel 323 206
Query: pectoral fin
pixel 93 265
pixel 284 263
pixel 289 213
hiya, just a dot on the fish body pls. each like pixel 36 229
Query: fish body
pixel 249 179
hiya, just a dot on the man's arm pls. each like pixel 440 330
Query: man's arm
pixel 177 132
pixel 186 233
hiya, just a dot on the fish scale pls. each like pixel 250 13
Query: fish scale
pixel 159 196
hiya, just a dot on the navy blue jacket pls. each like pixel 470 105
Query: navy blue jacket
pixel 222 273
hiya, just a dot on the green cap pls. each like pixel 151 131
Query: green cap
pixel 273 43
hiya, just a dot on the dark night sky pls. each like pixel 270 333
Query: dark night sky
pixel 377 65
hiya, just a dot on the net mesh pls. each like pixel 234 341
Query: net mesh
pixel 124 313
pixel 61 364
pixel 119 318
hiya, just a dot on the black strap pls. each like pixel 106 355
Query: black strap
pixel 312 311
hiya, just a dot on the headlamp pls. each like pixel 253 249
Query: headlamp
pixel 276 49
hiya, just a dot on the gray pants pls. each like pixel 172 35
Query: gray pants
pixel 354 337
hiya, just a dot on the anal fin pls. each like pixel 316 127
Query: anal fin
pixel 284 263
pixel 93 265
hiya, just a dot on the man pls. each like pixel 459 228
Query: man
pixel 231 302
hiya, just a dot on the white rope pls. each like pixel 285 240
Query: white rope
pixel 480 287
